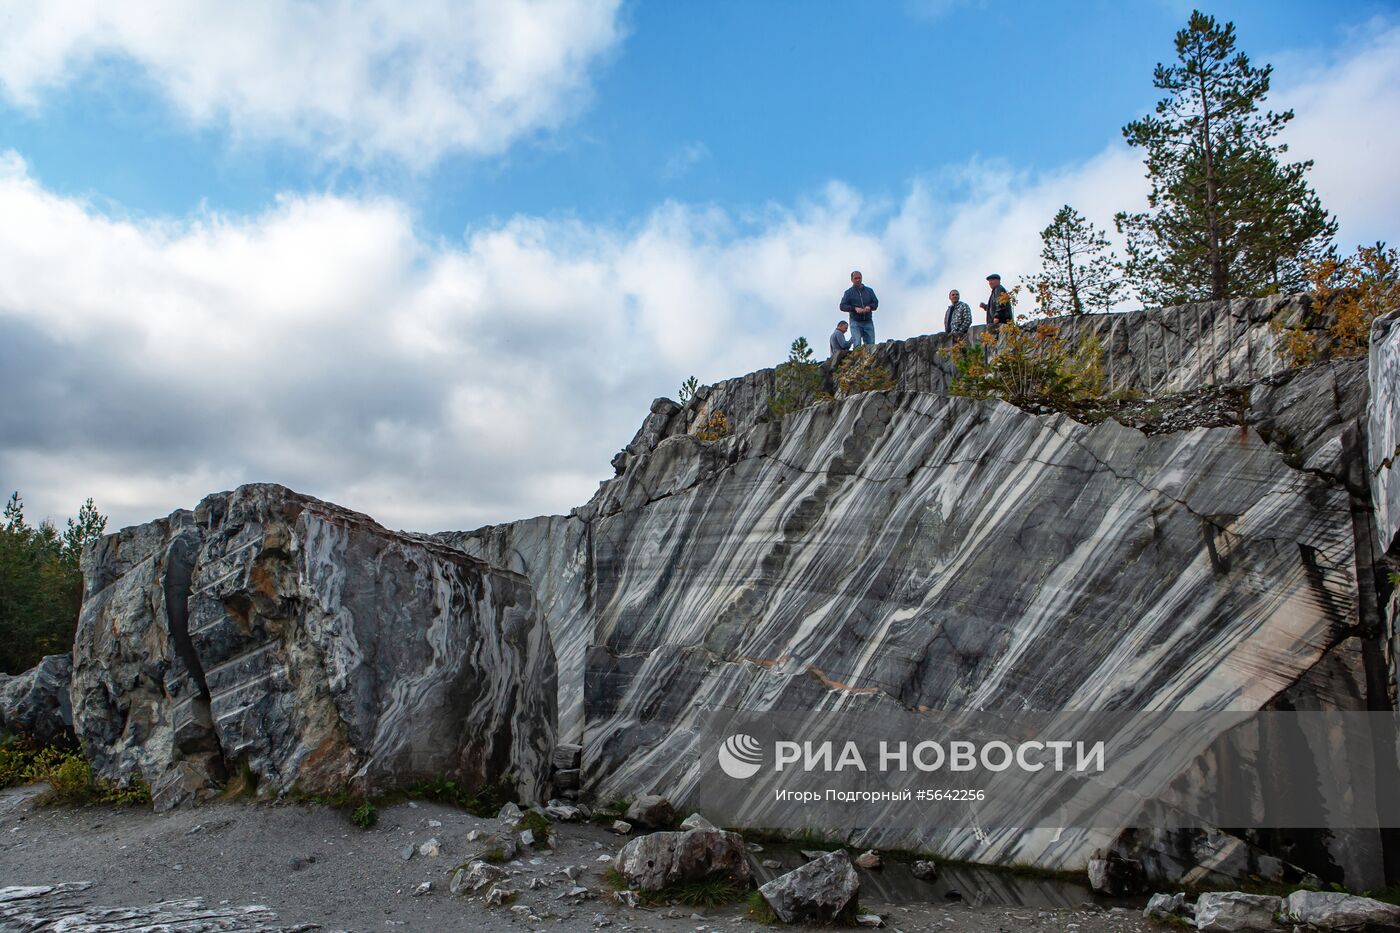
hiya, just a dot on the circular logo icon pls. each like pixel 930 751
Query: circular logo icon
pixel 740 756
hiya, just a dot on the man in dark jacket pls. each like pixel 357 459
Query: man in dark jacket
pixel 958 318
pixel 860 303
pixel 998 305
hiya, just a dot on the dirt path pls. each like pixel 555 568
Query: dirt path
pixel 309 865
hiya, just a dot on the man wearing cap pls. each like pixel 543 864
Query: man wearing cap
pixel 860 303
pixel 958 318
pixel 998 305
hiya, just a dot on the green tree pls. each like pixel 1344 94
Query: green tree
pixel 1078 272
pixel 688 389
pixel 1226 218
pixel 40 583
pixel 797 383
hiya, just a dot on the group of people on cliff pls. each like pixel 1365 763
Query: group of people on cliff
pixel 859 304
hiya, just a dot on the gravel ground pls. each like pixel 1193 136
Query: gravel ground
pixel 311 866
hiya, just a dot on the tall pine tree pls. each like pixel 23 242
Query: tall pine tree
pixel 1226 218
pixel 1078 273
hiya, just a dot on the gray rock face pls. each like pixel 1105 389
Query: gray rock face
pixel 1230 911
pixel 310 647
pixel 36 702
pixel 994 539
pixel 1329 910
pixel 659 860
pixel 1383 437
pixel 817 892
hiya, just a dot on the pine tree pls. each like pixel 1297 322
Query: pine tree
pixel 1078 272
pixel 1226 218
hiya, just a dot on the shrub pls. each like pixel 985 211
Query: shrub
pixel 797 383
pixel 688 389
pixel 69 776
pixel 859 372
pixel 486 801
pixel 715 427
pixel 365 815
pixel 1029 365
pixel 537 823
pixel 1355 290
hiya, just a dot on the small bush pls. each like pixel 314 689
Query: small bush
pixel 859 372
pixel 69 776
pixel 715 427
pixel 1355 290
pixel 1029 365
pixel 797 383
pixel 365 815
pixel 486 801
pixel 760 911
pixel 537 823
pixel 688 389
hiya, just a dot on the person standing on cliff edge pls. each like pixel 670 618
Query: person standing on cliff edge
pixel 998 304
pixel 958 318
pixel 860 303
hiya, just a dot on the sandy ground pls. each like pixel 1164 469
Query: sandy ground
pixel 311 866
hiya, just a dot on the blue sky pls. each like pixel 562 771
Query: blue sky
pixel 435 263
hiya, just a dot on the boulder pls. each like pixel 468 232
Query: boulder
pixel 869 860
pixel 818 892
pixel 500 894
pixel 621 827
pixel 659 860
pixel 652 811
pixel 563 812
pixel 1165 906
pixel 1230 911
pixel 696 821
pixel 35 703
pixel 510 816
pixel 1329 910
pixel 924 870
pixel 311 646
pixel 474 876
pixel 1116 876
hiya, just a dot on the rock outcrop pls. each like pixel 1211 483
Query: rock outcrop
pixel 309 649
pixel 943 553
pixel 35 703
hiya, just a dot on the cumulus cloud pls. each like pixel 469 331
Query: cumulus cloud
pixel 1348 122
pixel 355 80
pixel 329 344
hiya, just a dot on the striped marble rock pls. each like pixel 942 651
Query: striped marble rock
pixel 302 643
pixel 942 553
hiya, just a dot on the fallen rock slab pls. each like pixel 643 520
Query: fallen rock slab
pixel 659 860
pixel 1231 911
pixel 818 892
pixel 1329 910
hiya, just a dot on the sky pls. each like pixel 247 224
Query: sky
pixel 432 261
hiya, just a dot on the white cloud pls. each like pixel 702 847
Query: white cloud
pixel 1348 122
pixel 684 159
pixel 356 80
pixel 329 345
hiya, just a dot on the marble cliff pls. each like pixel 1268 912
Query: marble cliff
pixel 905 548
pixel 943 553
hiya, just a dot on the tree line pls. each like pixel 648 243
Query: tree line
pixel 41 583
pixel 1227 215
